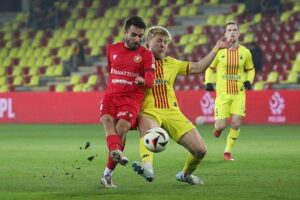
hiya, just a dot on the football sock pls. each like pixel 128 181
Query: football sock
pixel 231 139
pixel 114 142
pixel 107 171
pixel 146 155
pixel 191 164
pixel 110 163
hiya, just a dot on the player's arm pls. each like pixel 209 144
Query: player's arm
pixel 209 73
pixel 204 63
pixel 149 69
pixel 250 72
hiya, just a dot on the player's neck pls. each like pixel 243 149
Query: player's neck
pixel 159 57
pixel 234 46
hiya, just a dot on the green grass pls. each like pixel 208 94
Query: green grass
pixel 40 161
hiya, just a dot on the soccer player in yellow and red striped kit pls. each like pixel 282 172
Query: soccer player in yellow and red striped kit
pixel 231 82
pixel 160 107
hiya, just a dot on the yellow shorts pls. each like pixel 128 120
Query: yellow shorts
pixel 172 120
pixel 228 104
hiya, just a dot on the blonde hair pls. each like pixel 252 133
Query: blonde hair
pixel 158 30
pixel 232 22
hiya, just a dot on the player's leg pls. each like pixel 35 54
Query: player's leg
pixel 145 168
pixel 122 128
pixel 113 142
pixel 194 143
pixel 237 110
pixel 232 136
pixel 221 112
pixel 220 125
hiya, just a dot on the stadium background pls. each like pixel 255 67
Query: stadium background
pixel 49 115
pixel 37 47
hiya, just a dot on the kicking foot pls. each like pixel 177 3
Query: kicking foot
pixel 217 133
pixel 107 182
pixel 143 170
pixel 190 179
pixel 118 156
pixel 227 156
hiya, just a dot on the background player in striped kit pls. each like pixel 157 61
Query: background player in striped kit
pixel 231 83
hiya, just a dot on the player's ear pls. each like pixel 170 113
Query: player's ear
pixel 147 44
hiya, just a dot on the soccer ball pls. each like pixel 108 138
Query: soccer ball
pixel 156 139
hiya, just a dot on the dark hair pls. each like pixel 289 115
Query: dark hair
pixel 135 21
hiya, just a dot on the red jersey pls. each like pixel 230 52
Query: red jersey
pixel 124 66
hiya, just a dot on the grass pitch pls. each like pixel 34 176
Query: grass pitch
pixel 56 162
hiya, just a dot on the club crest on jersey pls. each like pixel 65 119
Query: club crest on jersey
pixel 137 59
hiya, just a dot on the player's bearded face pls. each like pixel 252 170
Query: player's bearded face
pixel 158 45
pixel 232 32
pixel 133 37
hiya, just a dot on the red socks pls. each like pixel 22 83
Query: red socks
pixel 113 143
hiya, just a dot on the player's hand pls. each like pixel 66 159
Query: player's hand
pixel 209 87
pixel 140 81
pixel 223 43
pixel 247 85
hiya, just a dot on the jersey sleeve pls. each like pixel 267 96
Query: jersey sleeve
pixel 209 75
pixel 214 63
pixel 249 62
pixel 249 67
pixel 183 67
pixel 149 62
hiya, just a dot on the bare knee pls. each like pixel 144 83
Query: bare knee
pixel 220 125
pixel 107 119
pixel 122 128
pixel 235 125
pixel 200 153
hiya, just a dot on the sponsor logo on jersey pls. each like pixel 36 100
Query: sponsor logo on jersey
pixel 121 81
pixel 123 73
pixel 232 77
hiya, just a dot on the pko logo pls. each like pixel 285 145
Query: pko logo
pixel 207 104
pixel 6 108
pixel 277 106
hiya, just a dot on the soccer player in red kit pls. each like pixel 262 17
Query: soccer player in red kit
pixel 131 68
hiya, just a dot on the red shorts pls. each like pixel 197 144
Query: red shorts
pixel 121 107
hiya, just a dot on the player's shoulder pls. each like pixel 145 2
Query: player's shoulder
pixel 144 52
pixel 116 45
pixel 243 48
pixel 143 49
pixel 169 59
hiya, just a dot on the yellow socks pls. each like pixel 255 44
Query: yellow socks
pixel 146 155
pixel 231 138
pixel 191 164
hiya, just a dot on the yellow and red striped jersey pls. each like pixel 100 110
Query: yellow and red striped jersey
pixel 230 66
pixel 162 95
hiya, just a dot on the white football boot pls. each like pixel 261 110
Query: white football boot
pixel 190 179
pixel 107 182
pixel 118 156
pixel 145 171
